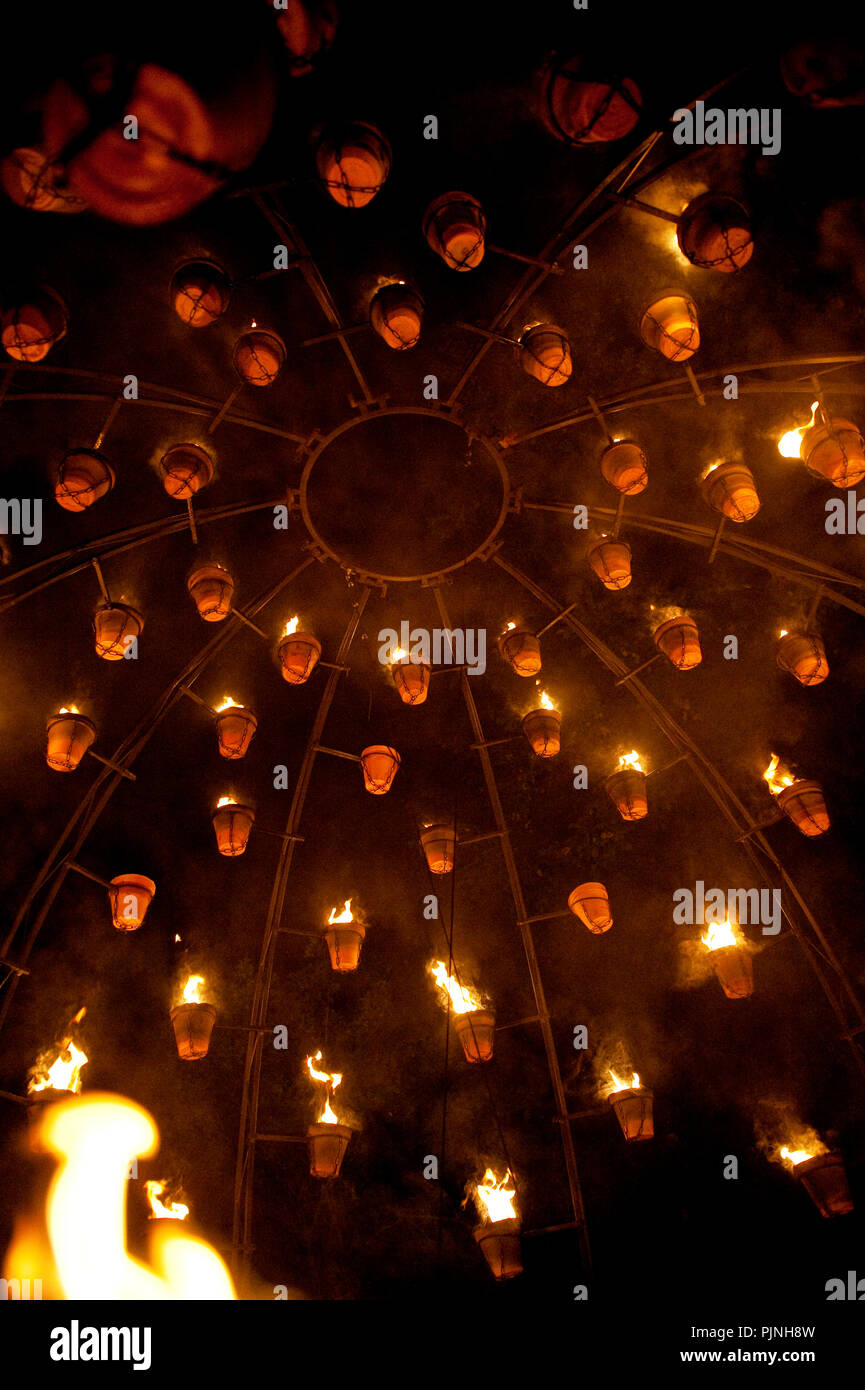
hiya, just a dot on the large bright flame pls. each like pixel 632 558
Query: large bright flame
pixel 630 760
pixel 495 1200
pixel 331 1080
pixel 227 703
pixel 226 801
pixel 85 1253
pixel 619 1083
pixel 192 990
pixel 545 701
pixel 344 916
pixel 155 1192
pixel 291 626
pixel 463 999
pixel 808 1144
pixel 777 777
pixel 720 934
pixel 64 1073
pixel 790 443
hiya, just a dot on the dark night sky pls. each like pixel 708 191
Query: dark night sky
pixel 396 495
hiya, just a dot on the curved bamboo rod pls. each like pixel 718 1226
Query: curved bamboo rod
pixel 734 813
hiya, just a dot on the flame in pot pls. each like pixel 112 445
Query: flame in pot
pixel 344 916
pixel 330 1080
pixel 227 703
pixel 156 1190
pixel 630 761
pixel 776 776
pixel 291 626
pixel 463 1000
pixel 192 990
pixel 69 709
pixel 495 1200
pixel 790 443
pixel 226 801
pixel 719 934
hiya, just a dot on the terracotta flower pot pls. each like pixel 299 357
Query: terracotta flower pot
pixel 522 649
pixel 611 561
pixel 211 589
pixel 200 293
pixel 803 655
pixel 545 354
pixel 837 454
pixel 439 842
pixel 455 226
pixel 193 1025
pixel 344 942
pixel 500 1243
pixel 298 655
pixel 591 903
pixel 477 1032
pixel 327 1145
pixel 411 679
pixel 679 640
pixel 805 805
pixel 186 469
pixel 625 467
pixel 714 233
pixel 353 163
pixel 627 791
pixel 232 825
pixel 396 314
pixel 380 765
pixel 259 357
pixel 117 627
pixel 83 477
pixel 583 108
pixel 735 971
pixel 69 737
pixel 543 729
pixel 824 1178
pixel 30 328
pixel 670 326
pixel 308 29
pixel 235 727
pixel 130 895
pixel 730 489
pixel 633 1110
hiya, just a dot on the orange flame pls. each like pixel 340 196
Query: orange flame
pixel 226 801
pixel 344 916
pixel 495 1200
pixel 776 776
pixel 790 443
pixel 291 626
pixel 155 1193
pixel 463 999
pixel 330 1080
pixel 69 709
pixel 720 934
pixel 630 760
pixel 227 703
pixel 192 990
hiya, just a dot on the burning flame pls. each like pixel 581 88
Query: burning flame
pixel 344 916
pixel 85 1253
pixel 720 934
pixel 619 1085
pixel 545 701
pixel 70 709
pixel 630 760
pixel 790 443
pixel 291 626
pixel 225 801
pixel 155 1192
pixel 192 990
pixel 59 1067
pixel 331 1081
pixel 398 656
pixel 463 999
pixel 777 777
pixel 228 703
pixel 495 1200
pixel 510 627
pixel 783 632
pixel 808 1145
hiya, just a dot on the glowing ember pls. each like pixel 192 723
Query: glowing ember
pixel 85 1254
pixel 622 1085
pixel 463 999
pixel 71 709
pixel 228 703
pixel 721 934
pixel 790 443
pixel 331 1080
pixel 344 916
pixel 777 777
pixel 225 801
pixel 495 1200
pixel 192 990
pixel 155 1193
pixel 630 760
pixel 291 626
